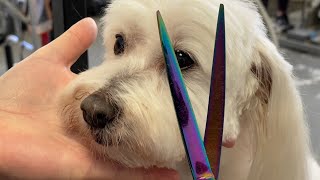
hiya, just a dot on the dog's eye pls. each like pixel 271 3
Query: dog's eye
pixel 184 60
pixel 119 45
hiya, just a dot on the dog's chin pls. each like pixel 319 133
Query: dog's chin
pixel 117 152
pixel 127 151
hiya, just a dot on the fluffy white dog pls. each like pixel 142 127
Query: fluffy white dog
pixel 123 108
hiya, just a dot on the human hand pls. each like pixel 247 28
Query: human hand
pixel 32 143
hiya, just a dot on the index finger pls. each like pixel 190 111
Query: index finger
pixel 68 47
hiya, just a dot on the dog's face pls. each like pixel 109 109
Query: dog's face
pixel 124 107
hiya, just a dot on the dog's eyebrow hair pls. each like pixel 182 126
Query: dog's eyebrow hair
pixel 134 36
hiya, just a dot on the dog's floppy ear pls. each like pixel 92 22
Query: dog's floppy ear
pixel 283 139
pixel 262 72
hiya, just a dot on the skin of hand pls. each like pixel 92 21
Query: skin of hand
pixel 32 143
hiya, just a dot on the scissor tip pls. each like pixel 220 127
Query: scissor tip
pixel 159 18
pixel 221 8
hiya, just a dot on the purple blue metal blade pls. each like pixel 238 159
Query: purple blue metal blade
pixel 216 107
pixel 194 146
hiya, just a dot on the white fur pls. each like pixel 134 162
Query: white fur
pixel 272 140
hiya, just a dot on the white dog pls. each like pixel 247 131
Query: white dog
pixel 123 108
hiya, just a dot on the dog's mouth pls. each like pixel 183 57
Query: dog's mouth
pixel 229 143
pixel 104 137
pixel 98 138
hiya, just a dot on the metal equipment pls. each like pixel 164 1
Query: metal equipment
pixel 11 19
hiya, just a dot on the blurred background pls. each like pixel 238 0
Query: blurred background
pixel 293 25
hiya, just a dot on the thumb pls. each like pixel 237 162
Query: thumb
pixel 68 47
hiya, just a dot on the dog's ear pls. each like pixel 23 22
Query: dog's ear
pixel 262 72
pixel 281 134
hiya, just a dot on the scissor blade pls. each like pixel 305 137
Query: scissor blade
pixel 216 107
pixel 193 143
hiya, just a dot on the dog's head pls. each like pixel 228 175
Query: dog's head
pixel 124 106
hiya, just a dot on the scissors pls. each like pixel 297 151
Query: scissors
pixel 200 153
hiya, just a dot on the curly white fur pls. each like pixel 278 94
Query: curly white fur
pixel 267 124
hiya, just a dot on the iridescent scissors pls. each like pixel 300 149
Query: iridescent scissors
pixel 198 158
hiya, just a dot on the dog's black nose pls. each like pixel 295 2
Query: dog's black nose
pixel 97 111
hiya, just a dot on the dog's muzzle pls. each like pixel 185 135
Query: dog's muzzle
pixel 98 111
